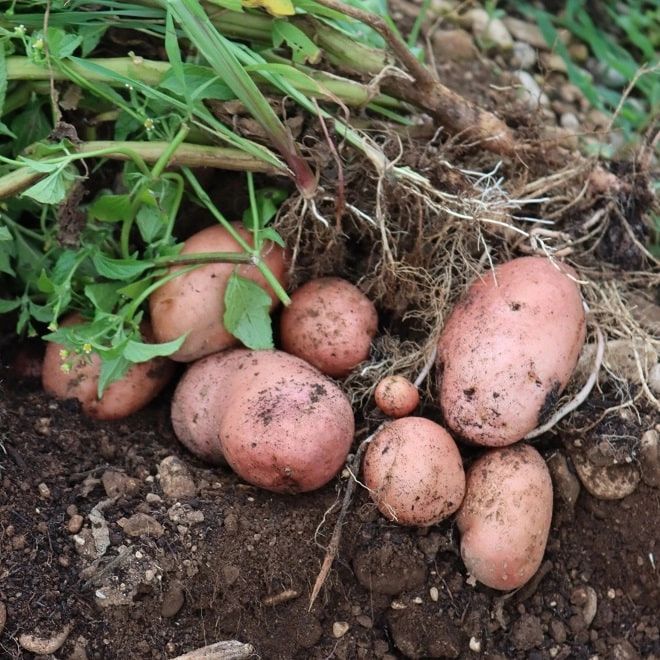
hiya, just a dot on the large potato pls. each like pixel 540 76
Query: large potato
pixel 278 422
pixel 414 472
pixel 505 517
pixel 508 350
pixel 330 323
pixel 200 401
pixel 123 397
pixel 194 302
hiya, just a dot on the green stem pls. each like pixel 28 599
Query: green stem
pixel 187 155
pixel 277 288
pixel 168 153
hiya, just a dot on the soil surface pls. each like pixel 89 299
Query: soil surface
pixel 114 535
pixel 115 542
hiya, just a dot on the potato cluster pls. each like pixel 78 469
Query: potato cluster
pixel 281 421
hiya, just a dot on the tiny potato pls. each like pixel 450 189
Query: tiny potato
pixel 200 401
pixel 396 396
pixel 329 323
pixel 414 472
pixel 508 349
pixel 504 520
pixel 194 302
pixel 121 398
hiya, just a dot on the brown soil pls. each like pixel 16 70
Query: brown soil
pixel 127 555
pixel 233 562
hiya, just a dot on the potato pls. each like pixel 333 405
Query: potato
pixel 200 401
pixel 330 323
pixel 508 350
pixel 396 396
pixel 141 383
pixel 280 424
pixel 414 472
pixel 505 517
pixel 194 302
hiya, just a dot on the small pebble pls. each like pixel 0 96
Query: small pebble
pixel 75 524
pixel 649 458
pixel 142 524
pixel 339 629
pixel 173 600
pixel 606 482
pixel 175 479
pixel 44 491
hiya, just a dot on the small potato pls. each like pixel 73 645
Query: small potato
pixel 194 302
pixel 396 396
pixel 414 472
pixel 505 517
pixel 508 350
pixel 330 323
pixel 200 401
pixel 123 397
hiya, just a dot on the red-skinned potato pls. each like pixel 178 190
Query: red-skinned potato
pixel 121 398
pixel 280 424
pixel 414 472
pixel 194 302
pixel 508 350
pixel 200 401
pixel 505 517
pixel 396 396
pixel 330 323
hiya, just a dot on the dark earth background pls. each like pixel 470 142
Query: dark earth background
pixel 117 543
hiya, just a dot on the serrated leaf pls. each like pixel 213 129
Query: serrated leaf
pixel 52 189
pixel 119 269
pixel 247 316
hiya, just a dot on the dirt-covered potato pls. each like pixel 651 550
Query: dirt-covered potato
pixel 396 396
pixel 200 401
pixel 279 423
pixel 80 380
pixel 505 517
pixel 414 472
pixel 330 323
pixel 508 350
pixel 194 302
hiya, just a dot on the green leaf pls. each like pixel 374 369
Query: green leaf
pixel 52 189
pixel 140 352
pixel 303 48
pixel 247 316
pixel 119 269
pixel 8 305
pixel 61 44
pixel 5 235
pixel 3 80
pixel 111 208
pixel 103 295
pixel 151 222
pixel 112 370
pixel 30 125
pixel 201 82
